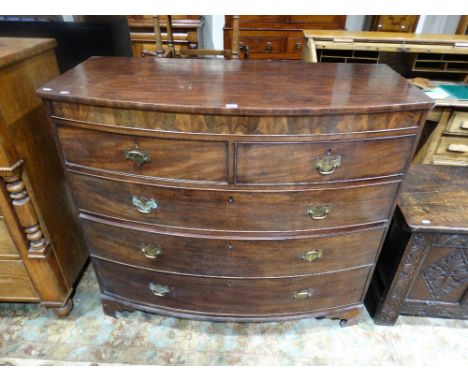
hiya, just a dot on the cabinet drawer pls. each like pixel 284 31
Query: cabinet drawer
pixel 452 150
pixel 232 297
pixel 231 258
pixel 150 157
pixel 298 163
pixel 264 44
pixel 14 282
pixel 235 210
pixel 458 123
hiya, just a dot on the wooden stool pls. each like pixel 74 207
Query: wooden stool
pixel 423 267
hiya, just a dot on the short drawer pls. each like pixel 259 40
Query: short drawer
pixel 234 210
pixel 231 258
pixel 458 123
pixel 15 284
pixel 144 156
pixel 232 297
pixel 452 150
pixel 264 44
pixel 303 163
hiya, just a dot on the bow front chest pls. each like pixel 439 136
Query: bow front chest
pixel 237 191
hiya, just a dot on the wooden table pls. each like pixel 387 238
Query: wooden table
pixel 423 266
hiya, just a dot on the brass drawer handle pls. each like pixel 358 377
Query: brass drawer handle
pixel 303 294
pixel 328 164
pixel 319 211
pixel 151 252
pixel 137 156
pixel 457 148
pixel 159 289
pixel 312 255
pixel 144 205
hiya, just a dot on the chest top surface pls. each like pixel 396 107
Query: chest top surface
pixel 14 49
pixel 235 87
pixel 436 198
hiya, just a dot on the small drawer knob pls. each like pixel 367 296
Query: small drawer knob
pixel 137 156
pixel 298 46
pixel 151 251
pixel 319 211
pixel 159 289
pixel 303 294
pixel 313 255
pixel 269 46
pixel 144 205
pixel 327 164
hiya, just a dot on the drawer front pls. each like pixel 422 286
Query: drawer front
pixel 260 44
pixel 151 157
pixel 234 210
pixel 458 123
pixel 14 282
pixel 7 246
pixel 232 297
pixel 231 258
pixel 303 163
pixel 452 150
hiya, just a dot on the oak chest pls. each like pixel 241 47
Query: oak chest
pixel 247 191
pixel 423 268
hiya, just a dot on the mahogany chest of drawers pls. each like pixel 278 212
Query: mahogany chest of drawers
pixel 42 251
pixel 224 190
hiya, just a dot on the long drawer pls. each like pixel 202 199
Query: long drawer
pixel 178 253
pixel 232 297
pixel 234 210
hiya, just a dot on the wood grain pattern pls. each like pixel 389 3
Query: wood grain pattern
pixel 15 283
pixel 234 87
pixel 234 297
pixel 235 125
pixel 235 210
pixel 230 257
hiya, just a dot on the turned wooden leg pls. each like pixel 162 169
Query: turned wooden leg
pixel 65 310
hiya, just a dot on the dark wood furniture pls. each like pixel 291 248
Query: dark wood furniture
pixel 394 23
pixel 187 32
pixel 423 267
pixel 41 247
pixel 237 191
pixel 276 37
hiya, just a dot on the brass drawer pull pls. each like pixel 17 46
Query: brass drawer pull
pixel 328 164
pixel 151 252
pixel 159 289
pixel 313 255
pixel 144 205
pixel 303 294
pixel 319 211
pixel 137 156
pixel 457 148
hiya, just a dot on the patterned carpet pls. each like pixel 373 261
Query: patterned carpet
pixel 31 335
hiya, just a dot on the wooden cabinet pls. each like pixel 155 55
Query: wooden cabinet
pixel 423 268
pixel 277 37
pixel 394 23
pixel 252 191
pixel 41 247
pixel 187 32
